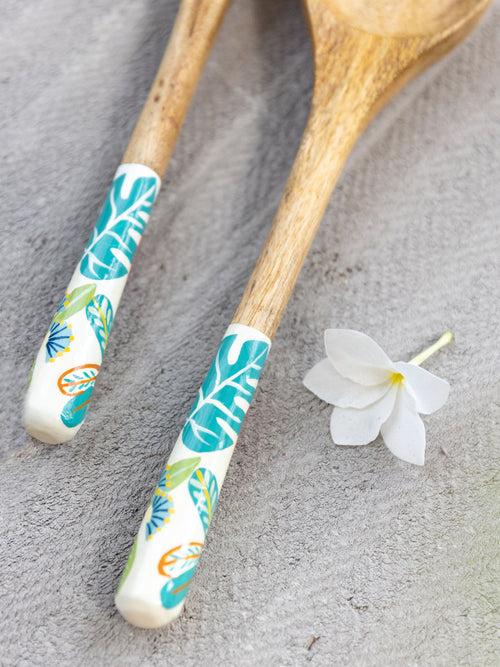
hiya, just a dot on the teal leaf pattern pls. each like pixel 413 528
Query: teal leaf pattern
pixel 75 410
pixel 224 397
pixel 119 228
pixel 188 491
pixel 175 590
pixel 179 565
pixel 75 301
pixel 100 316
pixel 204 492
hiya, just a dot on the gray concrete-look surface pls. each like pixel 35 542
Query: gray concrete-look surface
pixel 382 562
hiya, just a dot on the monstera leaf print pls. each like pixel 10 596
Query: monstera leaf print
pixel 75 410
pixel 76 381
pixel 224 397
pixel 175 590
pixel 100 316
pixel 119 228
pixel 179 565
pixel 76 300
pixel 204 493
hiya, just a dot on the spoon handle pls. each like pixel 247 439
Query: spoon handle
pixel 164 557
pixel 66 367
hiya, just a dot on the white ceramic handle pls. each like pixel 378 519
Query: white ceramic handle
pixel 71 354
pixel 167 548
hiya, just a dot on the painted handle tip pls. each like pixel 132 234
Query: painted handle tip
pixel 166 552
pixel 42 426
pixel 143 614
pixel 69 360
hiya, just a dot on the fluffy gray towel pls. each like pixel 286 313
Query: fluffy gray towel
pixel 383 563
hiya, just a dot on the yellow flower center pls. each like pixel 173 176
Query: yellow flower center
pixel 397 378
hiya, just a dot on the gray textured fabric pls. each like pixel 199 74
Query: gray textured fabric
pixel 385 563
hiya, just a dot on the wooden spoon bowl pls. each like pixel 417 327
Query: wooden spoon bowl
pixel 409 17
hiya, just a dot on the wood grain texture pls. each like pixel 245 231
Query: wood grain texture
pixel 356 72
pixel 388 565
pixel 159 124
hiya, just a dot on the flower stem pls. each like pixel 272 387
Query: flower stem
pixel 445 339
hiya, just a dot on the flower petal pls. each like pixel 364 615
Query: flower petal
pixel 324 381
pixel 357 357
pixel 404 431
pixel 349 426
pixel 429 391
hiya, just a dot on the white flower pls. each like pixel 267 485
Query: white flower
pixel 372 394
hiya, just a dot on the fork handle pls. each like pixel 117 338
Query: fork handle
pixel 71 353
pixel 70 357
pixel 158 126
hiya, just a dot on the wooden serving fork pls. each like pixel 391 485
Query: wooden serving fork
pixel 364 51
pixel 71 354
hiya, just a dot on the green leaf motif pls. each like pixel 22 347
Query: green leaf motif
pixel 204 492
pixel 179 471
pixel 74 302
pixel 128 565
pixel 120 226
pixel 75 410
pixel 100 316
pixel 224 397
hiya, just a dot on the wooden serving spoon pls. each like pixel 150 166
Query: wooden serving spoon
pixel 364 51
pixel 71 354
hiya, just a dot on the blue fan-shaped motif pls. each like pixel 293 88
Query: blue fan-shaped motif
pixel 165 484
pixel 161 508
pixel 58 340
